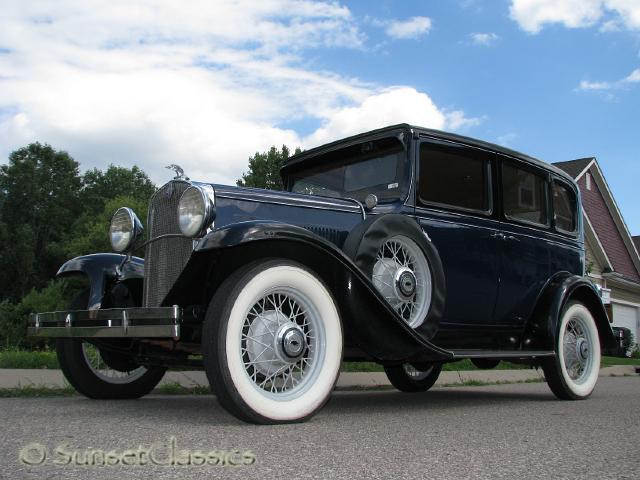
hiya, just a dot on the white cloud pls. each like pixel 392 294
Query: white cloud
pixel 390 106
pixel 533 15
pixel 586 85
pixel 484 39
pixel 633 77
pixel 456 120
pixel 203 84
pixel 394 105
pixel 411 28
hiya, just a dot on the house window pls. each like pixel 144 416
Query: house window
pixel 587 179
pixel 524 195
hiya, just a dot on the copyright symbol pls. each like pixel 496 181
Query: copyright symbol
pixel 33 454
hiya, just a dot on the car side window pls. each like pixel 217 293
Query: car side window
pixel 524 195
pixel 454 176
pixel 564 208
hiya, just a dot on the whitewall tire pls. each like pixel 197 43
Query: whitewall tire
pixel 573 373
pixel 272 343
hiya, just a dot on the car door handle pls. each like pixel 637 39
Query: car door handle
pixel 502 236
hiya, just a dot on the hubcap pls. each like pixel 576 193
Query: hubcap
pixel 292 341
pixel 405 282
pixel 583 349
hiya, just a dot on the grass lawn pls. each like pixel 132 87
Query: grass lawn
pixel 12 358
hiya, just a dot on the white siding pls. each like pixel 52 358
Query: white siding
pixel 626 316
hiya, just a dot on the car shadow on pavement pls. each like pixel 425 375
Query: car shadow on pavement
pixel 454 398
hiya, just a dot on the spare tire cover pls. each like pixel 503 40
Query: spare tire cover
pixel 365 240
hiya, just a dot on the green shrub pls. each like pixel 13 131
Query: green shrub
pixel 13 316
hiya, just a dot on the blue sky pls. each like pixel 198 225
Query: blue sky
pixel 205 84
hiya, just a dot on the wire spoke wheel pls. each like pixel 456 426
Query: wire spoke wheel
pixel 416 374
pixel 272 342
pixel 282 338
pixel 402 275
pixel 573 373
pixel 577 349
pixel 100 369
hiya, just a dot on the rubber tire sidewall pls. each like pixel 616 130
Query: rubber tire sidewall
pixel 555 372
pixel 74 366
pixel 401 380
pixel 222 334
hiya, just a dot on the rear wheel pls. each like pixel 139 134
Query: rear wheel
pixel 572 374
pixel 272 343
pixel 408 378
pixel 485 363
pixel 103 374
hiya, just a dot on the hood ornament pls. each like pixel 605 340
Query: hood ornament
pixel 179 171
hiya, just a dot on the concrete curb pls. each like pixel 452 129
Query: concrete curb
pixel 20 378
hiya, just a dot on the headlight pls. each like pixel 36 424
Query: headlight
pixel 196 210
pixel 124 229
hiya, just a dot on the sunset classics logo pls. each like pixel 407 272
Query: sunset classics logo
pixel 162 453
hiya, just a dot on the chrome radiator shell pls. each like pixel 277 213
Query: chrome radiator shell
pixel 166 257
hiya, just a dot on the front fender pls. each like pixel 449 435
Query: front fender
pixel 368 320
pixel 542 328
pixel 99 269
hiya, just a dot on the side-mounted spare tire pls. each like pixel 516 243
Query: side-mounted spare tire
pixel 404 266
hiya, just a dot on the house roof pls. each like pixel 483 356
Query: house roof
pixel 636 241
pixel 574 167
pixel 604 220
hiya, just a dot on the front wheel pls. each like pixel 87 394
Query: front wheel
pixel 573 373
pixel 102 374
pixel 408 378
pixel 272 343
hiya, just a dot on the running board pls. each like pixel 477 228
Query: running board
pixel 501 354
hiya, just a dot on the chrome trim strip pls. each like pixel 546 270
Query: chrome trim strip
pixel 159 322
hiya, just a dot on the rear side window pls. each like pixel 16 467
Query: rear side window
pixel 564 208
pixel 454 176
pixel 524 194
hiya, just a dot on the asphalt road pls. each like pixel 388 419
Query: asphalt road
pixel 507 431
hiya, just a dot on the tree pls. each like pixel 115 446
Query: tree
pixel 39 202
pixel 264 169
pixel 99 187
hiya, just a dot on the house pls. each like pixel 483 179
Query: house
pixel 612 259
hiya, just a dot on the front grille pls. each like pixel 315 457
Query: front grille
pixel 164 258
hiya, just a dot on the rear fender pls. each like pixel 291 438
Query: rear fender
pixel 542 329
pixel 101 269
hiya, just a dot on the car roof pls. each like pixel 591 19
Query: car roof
pixel 306 158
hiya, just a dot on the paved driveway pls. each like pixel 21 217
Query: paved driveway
pixel 506 431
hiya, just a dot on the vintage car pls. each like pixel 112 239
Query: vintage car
pixel 405 246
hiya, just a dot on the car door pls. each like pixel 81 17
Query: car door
pixel 455 208
pixel 524 239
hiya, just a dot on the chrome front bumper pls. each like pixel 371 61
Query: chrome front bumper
pixel 160 322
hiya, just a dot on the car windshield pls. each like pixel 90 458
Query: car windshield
pixel 374 167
